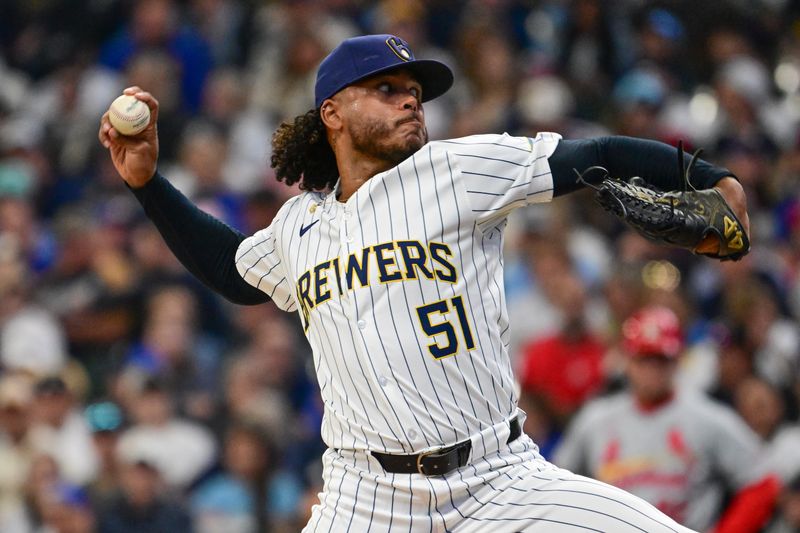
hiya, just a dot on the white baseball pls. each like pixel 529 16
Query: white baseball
pixel 128 115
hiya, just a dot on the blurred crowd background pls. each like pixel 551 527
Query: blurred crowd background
pixel 133 399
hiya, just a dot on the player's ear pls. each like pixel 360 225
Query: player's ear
pixel 330 115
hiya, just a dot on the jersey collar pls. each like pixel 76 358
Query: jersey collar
pixel 650 407
pixel 330 198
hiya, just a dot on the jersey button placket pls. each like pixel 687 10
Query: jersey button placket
pixel 337 220
pixel 346 217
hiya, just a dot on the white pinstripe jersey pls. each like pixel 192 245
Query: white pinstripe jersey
pixel 400 290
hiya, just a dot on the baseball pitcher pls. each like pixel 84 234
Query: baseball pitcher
pixel 391 257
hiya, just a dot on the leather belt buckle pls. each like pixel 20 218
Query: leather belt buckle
pixel 420 457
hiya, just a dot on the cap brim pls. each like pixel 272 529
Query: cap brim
pixel 435 78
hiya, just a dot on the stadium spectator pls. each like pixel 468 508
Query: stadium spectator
pixel 225 105
pixel 105 420
pixel 180 450
pixel 60 431
pixel 492 82
pixel 142 503
pixel 249 493
pixel 156 25
pixel 16 450
pixel 67 509
pixel 564 369
pixel 173 349
pixel 764 407
pixel 787 518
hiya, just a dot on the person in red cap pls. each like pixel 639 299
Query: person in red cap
pixel 653 341
pixel 675 448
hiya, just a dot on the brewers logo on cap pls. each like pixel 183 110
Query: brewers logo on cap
pixel 400 48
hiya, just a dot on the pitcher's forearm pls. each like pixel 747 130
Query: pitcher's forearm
pixel 204 245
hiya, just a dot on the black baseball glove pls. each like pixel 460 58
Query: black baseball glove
pixel 677 218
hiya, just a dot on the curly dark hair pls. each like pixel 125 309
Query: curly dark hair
pixel 301 153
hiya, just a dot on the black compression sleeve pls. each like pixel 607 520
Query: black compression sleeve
pixel 625 157
pixel 203 244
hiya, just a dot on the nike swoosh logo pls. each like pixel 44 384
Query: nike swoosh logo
pixel 304 229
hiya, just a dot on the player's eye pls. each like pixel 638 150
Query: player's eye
pixel 389 88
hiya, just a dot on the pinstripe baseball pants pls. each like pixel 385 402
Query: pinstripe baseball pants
pixel 511 490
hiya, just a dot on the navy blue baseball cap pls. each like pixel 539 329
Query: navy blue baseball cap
pixel 360 57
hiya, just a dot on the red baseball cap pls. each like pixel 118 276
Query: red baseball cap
pixel 654 330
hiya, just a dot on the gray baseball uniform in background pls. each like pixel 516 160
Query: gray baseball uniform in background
pixel 680 456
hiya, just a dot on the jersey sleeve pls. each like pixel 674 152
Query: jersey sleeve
pixel 625 157
pixel 736 449
pixel 501 172
pixel 259 262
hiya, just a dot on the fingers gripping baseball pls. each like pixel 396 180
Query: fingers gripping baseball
pixel 134 156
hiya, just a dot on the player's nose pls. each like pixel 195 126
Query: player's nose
pixel 410 101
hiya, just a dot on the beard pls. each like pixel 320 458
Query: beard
pixel 373 138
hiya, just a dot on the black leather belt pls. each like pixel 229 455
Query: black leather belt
pixel 436 462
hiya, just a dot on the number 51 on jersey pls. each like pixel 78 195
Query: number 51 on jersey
pixel 433 318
